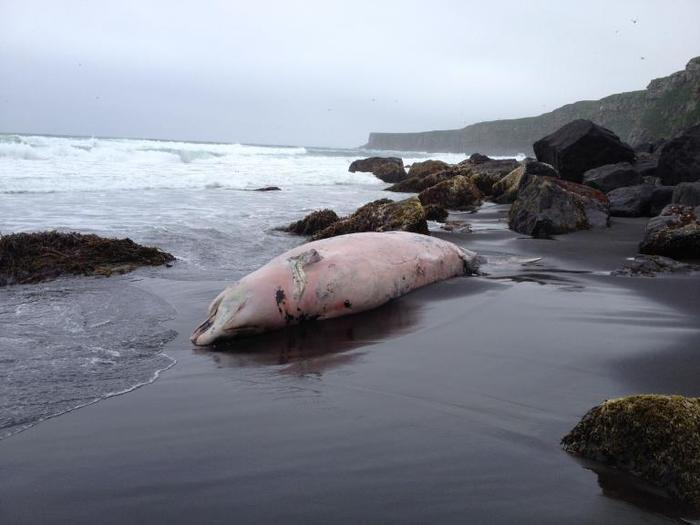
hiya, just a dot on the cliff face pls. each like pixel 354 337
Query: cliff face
pixel 668 106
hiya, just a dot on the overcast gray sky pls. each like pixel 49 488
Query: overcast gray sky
pixel 322 72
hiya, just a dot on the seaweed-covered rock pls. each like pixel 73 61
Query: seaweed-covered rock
pixel 313 222
pixel 388 169
pixel 378 216
pixel 487 173
pixel 580 146
pixel 631 201
pixel 687 194
pixel 674 233
pixel 416 184
pixel 41 256
pixel 434 212
pixel 650 265
pixel 680 158
pixel 612 176
pixel 457 193
pixel 427 167
pixel 653 437
pixel 549 206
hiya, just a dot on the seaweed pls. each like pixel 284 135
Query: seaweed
pixel 41 256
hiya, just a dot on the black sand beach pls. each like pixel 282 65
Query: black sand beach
pixel 446 406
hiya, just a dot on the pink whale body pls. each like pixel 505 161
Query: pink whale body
pixel 329 278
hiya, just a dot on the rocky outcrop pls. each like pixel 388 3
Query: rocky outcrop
pixel 612 176
pixel 43 256
pixel 548 206
pixel 378 216
pixel 674 233
pixel 388 169
pixel 667 107
pixel 653 437
pixel 580 146
pixel 680 158
pixel 456 193
pixel 313 222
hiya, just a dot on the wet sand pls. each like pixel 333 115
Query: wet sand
pixel 446 406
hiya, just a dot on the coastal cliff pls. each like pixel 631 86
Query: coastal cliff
pixel 665 108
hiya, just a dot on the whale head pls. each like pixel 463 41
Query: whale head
pixel 226 317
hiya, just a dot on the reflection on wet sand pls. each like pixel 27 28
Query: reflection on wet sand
pixel 314 347
pixel 624 487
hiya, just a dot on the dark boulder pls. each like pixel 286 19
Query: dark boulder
pixel 687 194
pixel 680 158
pixel 650 147
pixel 268 188
pixel 653 437
pixel 378 216
pixel 646 165
pixel 660 198
pixel 612 176
pixel 313 222
pixel 388 169
pixel 580 146
pixel 478 158
pixel 631 201
pixel 434 212
pixel 548 206
pixel 457 193
pixel 673 233
pixel 42 256
pixel 427 167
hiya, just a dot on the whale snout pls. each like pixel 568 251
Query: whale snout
pixel 202 335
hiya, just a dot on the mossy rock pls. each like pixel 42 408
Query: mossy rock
pixel 427 167
pixel 380 215
pixel 433 212
pixel 653 437
pixel 41 256
pixel 457 193
pixel 313 222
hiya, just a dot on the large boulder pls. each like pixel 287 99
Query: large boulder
pixel 427 167
pixel 653 437
pixel 416 184
pixel 680 158
pixel 548 206
pixel 687 194
pixel 457 193
pixel 673 233
pixel 313 222
pixel 580 146
pixel 505 190
pixel 660 198
pixel 388 169
pixel 631 201
pixel 379 216
pixel 612 176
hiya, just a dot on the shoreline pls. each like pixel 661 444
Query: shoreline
pixel 303 434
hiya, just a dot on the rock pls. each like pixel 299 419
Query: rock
pixel 680 158
pixel 416 184
pixel 650 265
pixel 268 188
pixel 631 201
pixel 505 190
pixel 612 176
pixel 687 194
pixel 488 173
pixel 388 169
pixel 660 198
pixel 645 165
pixel 427 167
pixel 650 147
pixel 43 256
pixel 674 233
pixel 313 222
pixel 457 193
pixel 478 158
pixel 457 227
pixel 549 206
pixel 381 215
pixel 653 437
pixel 433 212
pixel 580 146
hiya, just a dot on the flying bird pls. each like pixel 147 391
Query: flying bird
pixel 634 20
